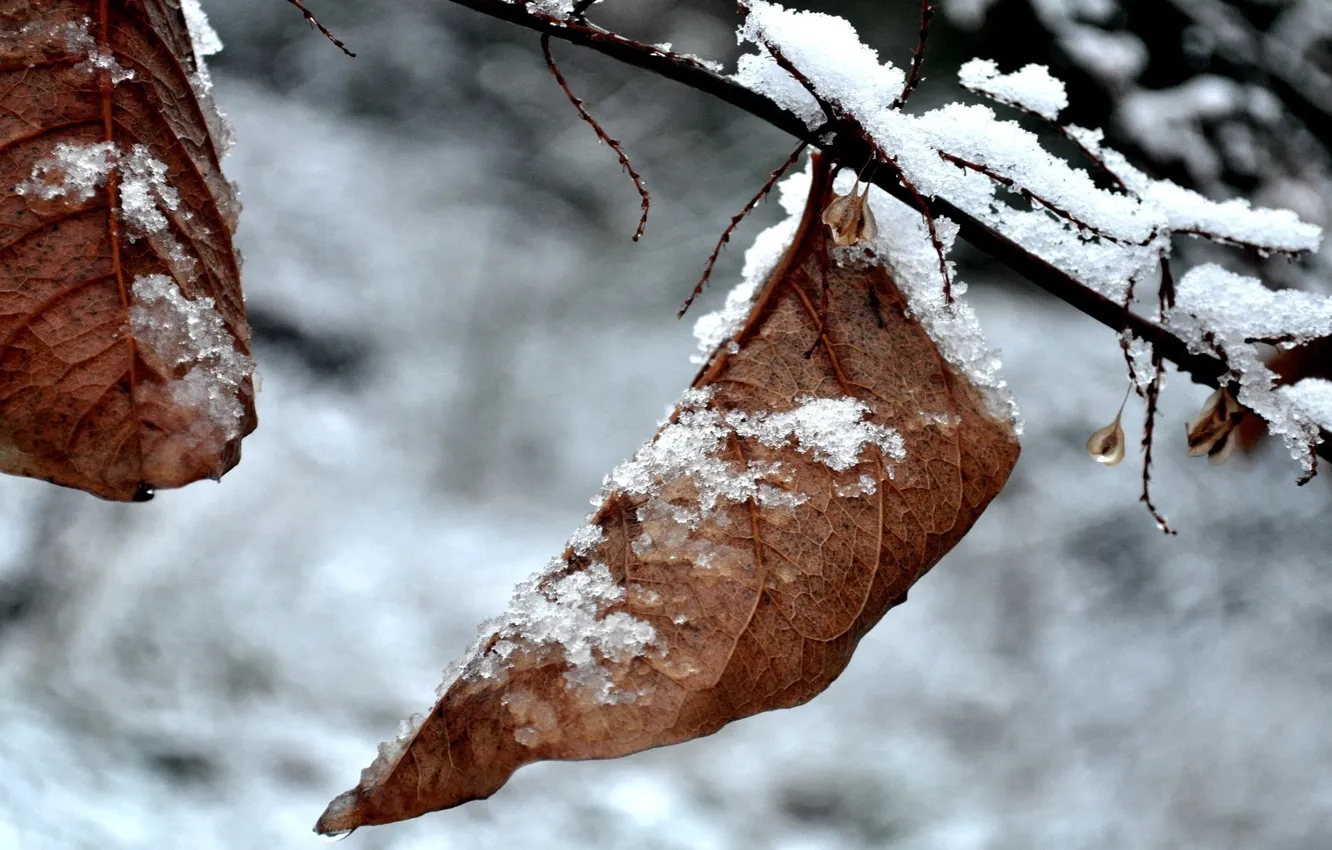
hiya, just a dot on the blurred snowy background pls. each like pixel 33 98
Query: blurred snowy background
pixel 458 339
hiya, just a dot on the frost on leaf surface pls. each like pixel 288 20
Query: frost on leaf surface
pixel 206 42
pixel 104 225
pixel 811 473
pixel 179 332
pixel 72 172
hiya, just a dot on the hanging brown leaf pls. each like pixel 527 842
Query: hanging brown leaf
pixel 124 350
pixel 795 495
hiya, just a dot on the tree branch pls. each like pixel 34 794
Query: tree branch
pixel 849 149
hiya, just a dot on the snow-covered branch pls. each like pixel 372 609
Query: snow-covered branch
pixel 1082 243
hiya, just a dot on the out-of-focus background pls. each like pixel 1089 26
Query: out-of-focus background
pixel 458 339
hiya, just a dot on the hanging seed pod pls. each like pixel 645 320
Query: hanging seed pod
pixel 850 218
pixel 1106 445
pixel 1212 432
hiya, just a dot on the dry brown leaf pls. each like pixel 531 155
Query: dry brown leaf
pixel 734 564
pixel 124 350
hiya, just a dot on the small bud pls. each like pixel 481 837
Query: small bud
pixel 1212 432
pixel 850 218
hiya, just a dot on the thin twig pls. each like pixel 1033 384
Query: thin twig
pixel 917 58
pixel 1167 293
pixel 1125 338
pixel 921 204
pixel 1148 438
pixel 601 134
pixel 314 22
pixel 735 222
pixel 580 8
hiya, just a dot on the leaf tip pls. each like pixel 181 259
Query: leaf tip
pixel 342 816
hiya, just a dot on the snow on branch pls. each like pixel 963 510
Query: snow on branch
pixel 965 164
pixel 1105 239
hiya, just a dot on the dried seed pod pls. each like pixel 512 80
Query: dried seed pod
pixel 850 218
pixel 1106 445
pixel 1212 432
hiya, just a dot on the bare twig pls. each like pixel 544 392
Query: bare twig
pixel 735 222
pixel 314 22
pixel 917 58
pixel 601 134
pixel 1125 336
pixel 852 148
pixel 1148 438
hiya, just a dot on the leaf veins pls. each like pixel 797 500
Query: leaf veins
pixel 738 558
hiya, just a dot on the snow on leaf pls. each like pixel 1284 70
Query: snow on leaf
pixel 178 331
pixel 72 172
pixel 145 193
pixel 783 508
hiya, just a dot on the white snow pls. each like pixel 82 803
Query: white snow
pixel 551 8
pixel 904 243
pixel 205 38
pixel 827 50
pixel 79 39
pixel 1031 88
pixel 206 42
pixel 831 430
pixel 1314 397
pixel 180 331
pixel 145 192
pixel 1186 211
pixel 1218 309
pixel 560 611
pixel 72 171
